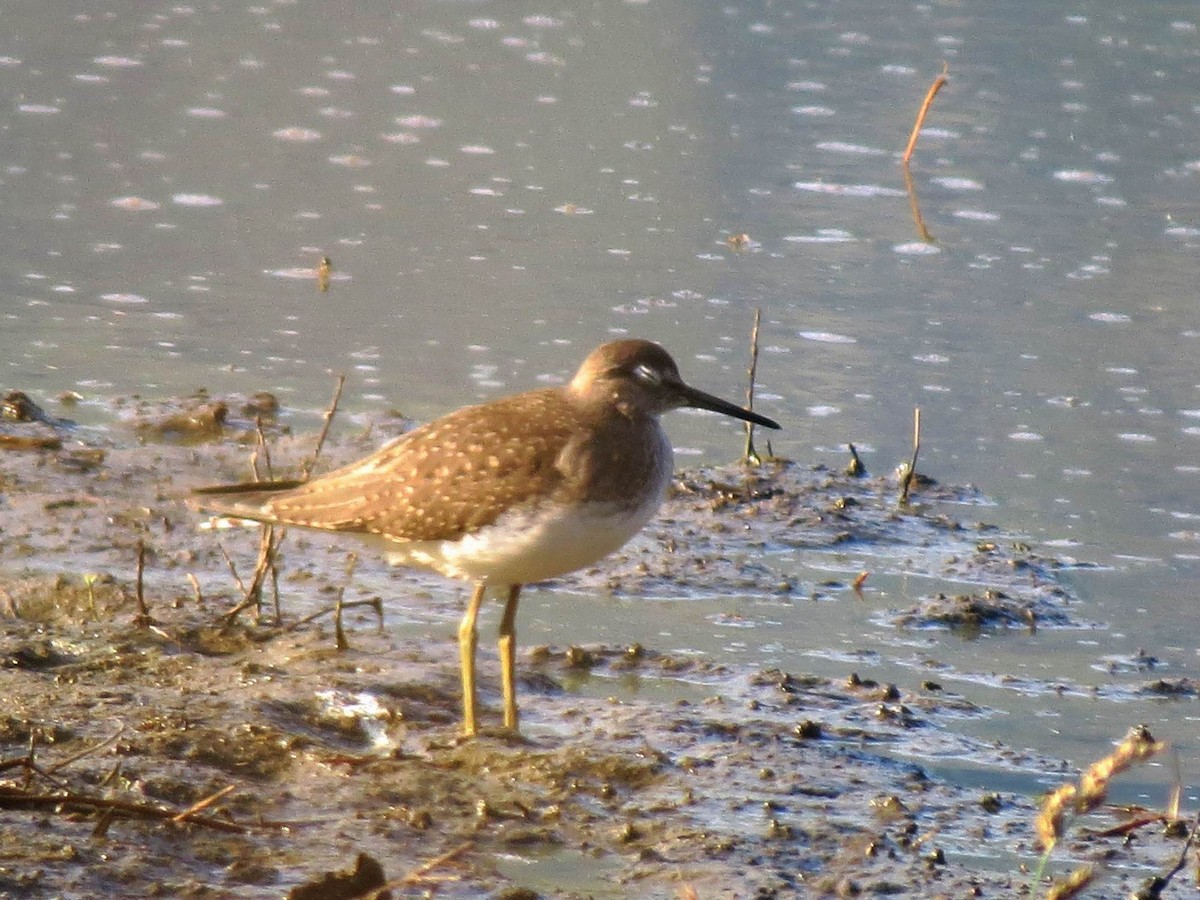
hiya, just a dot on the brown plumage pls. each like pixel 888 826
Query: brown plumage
pixel 516 490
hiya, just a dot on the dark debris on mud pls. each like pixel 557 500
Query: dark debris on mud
pixel 177 754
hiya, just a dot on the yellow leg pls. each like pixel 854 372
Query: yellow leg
pixel 508 657
pixel 467 641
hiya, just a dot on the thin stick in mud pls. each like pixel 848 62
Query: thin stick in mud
pixel 750 454
pixel 143 617
pixel 307 468
pixel 911 472
pixel 201 805
pixel 263 449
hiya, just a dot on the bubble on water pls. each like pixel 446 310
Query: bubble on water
pixel 296 135
pixel 1110 318
pixel 1137 437
pixel 117 62
pixel 38 109
pixel 854 149
pixel 1082 176
pixel 199 200
pixel 827 337
pixel 134 204
pixel 823 236
pixel 818 111
pixel 124 298
pixel 477 150
pixel 418 121
pixel 206 112
pixel 917 248
pixel 976 215
pixel 1028 436
pixel 848 190
pixel 958 184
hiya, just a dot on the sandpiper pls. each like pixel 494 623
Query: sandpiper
pixel 506 493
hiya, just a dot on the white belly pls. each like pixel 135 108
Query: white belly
pixel 539 543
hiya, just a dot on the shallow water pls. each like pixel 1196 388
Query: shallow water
pixel 502 186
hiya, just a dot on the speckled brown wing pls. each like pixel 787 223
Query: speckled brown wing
pixel 440 481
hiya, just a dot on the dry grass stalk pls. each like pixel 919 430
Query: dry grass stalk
pixel 203 804
pixel 750 455
pixel 1092 790
pixel 263 449
pixel 324 270
pixel 923 112
pixel 1073 885
pixel 914 207
pixel 307 469
pixel 143 617
pixel 910 473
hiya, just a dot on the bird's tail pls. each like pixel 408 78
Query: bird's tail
pixel 248 500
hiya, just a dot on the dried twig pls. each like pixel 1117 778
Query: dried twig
pixel 420 875
pixel 750 455
pixel 374 602
pixel 268 548
pixel 339 604
pixel 309 464
pixel 143 618
pixel 263 449
pixel 232 569
pixel 911 472
pixel 923 112
pixel 87 751
pixel 11 798
pixel 914 207
pixel 204 804
pixel 195 582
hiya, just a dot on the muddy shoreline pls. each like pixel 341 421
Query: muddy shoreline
pixel 120 720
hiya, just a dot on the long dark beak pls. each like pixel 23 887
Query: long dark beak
pixel 700 400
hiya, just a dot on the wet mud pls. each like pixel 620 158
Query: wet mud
pixel 152 746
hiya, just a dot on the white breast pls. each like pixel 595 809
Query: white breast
pixel 541 542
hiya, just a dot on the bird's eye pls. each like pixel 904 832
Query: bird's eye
pixel 647 375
